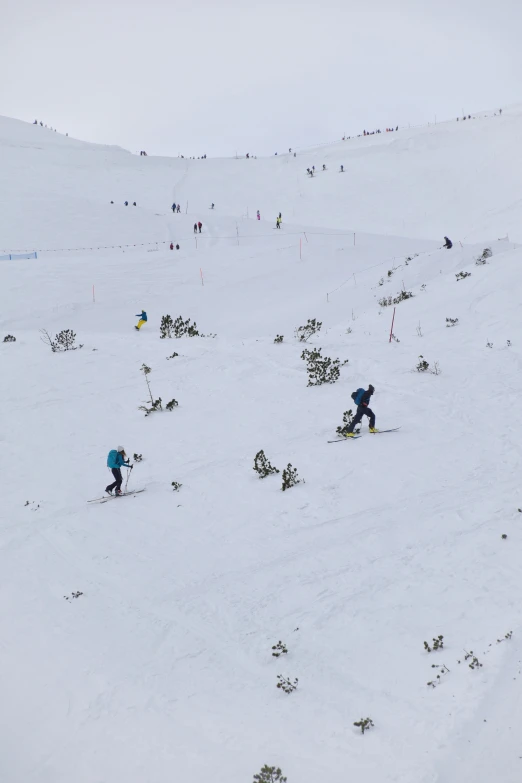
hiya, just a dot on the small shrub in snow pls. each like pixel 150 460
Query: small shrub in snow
pixel 173 355
pixel 506 638
pixel 155 405
pixel 489 345
pixel 270 775
pixel 402 296
pixel 176 486
pixel 166 327
pixel 278 338
pixel 423 366
pixel 381 281
pixel 475 663
pixel 262 466
pixel 395 339
pixel 508 343
pixel 290 477
pixel 137 457
pixel 303 333
pixel 438 679
pixel 321 369
pixel 9 339
pixel 349 330
pixel 63 341
pixel 482 259
pixel 386 301
pixel 451 322
pixel 504 536
pixel 74 595
pixel 180 328
pixel 285 684
pixel 365 724
pixel 462 275
pixel 437 644
pixel 347 419
pixel 280 649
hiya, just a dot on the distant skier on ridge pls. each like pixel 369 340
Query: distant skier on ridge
pixel 448 244
pixel 362 398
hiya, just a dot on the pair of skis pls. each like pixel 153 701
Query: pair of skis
pixel 111 497
pixel 379 432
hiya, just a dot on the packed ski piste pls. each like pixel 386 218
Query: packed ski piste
pixel 195 586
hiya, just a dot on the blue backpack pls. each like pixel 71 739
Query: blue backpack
pixel 358 395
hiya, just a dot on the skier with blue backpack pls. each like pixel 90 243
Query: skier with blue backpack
pixel 116 460
pixel 362 398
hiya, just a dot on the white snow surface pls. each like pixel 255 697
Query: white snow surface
pixel 162 669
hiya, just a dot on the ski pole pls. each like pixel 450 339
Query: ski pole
pixel 128 474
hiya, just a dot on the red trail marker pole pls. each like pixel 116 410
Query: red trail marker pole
pixel 393 321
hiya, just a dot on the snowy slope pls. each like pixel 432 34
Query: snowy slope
pixel 162 669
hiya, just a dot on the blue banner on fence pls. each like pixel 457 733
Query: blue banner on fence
pixel 17 256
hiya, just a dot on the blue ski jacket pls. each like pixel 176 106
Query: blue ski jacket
pixel 115 460
pixel 142 315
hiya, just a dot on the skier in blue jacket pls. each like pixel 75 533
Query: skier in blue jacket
pixel 116 460
pixel 362 398
pixel 143 319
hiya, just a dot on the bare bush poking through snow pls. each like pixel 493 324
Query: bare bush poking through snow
pixel 155 405
pixel 262 466
pixel 285 684
pixel 289 477
pixel 166 327
pixel 303 333
pixel 9 339
pixel 278 338
pixel 365 724
pixel 424 366
pixel 269 775
pixel 438 679
pixel 280 649
pixel 64 341
pixel 386 301
pixel 176 486
pixel 482 259
pixel 436 644
pixel 347 419
pixel 451 322
pixel 462 275
pixel 321 369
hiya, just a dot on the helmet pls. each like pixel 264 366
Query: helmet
pixel 120 449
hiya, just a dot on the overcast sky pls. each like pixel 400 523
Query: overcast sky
pixel 222 76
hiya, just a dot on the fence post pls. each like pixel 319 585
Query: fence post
pixel 391 330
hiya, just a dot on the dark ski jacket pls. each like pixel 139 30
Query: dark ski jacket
pixel 448 244
pixel 365 400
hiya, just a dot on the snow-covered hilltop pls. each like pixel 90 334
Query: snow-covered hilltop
pixel 138 633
